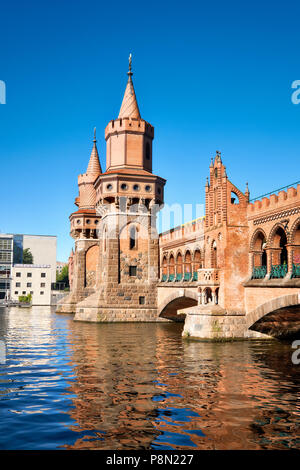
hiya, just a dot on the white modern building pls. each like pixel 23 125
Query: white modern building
pixel 43 249
pixel 32 279
pixel 6 262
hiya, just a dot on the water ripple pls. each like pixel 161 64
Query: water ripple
pixel 68 385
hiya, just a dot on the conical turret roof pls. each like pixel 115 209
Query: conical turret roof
pixel 94 166
pixel 129 107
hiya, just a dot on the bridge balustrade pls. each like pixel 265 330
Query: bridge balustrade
pixel 259 272
pixel 208 276
pixel 191 277
pixel 296 270
pixel 278 271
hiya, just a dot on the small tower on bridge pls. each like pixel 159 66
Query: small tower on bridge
pixel 226 239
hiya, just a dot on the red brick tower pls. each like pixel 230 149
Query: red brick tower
pixel 118 267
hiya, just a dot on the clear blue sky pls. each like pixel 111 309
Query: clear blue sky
pixel 208 75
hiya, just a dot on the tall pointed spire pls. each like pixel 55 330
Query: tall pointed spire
pixel 129 106
pixel 94 166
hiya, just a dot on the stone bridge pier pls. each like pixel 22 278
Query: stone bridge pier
pixel 278 317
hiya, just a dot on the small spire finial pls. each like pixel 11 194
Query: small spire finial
pixel 130 64
pixel 247 187
pixel 95 135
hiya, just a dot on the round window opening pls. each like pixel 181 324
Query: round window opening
pixel 88 221
pixel 124 186
pixel 109 187
pixel 96 222
pixel 148 188
pixel 78 221
pixel 136 187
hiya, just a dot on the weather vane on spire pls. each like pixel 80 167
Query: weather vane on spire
pixel 95 134
pixel 130 63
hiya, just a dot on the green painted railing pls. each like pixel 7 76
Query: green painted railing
pixel 278 271
pixel 195 276
pixel 164 278
pixel 178 277
pixel 171 278
pixel 187 276
pixel 296 270
pixel 259 272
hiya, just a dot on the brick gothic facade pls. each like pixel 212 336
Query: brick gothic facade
pixel 223 274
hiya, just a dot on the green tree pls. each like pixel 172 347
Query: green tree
pixel 64 275
pixel 27 256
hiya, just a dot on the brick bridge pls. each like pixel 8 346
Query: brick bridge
pixel 236 271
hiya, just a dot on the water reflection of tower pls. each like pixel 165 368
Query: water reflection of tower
pixel 115 375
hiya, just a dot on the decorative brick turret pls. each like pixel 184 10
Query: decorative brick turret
pixel 129 138
pixel 87 193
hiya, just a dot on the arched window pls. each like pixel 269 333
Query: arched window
pixel 296 240
pixel 296 252
pixel 258 248
pixel 132 237
pixel 279 242
pixel 208 295
pixel 259 245
pixel 197 260
pixel 165 265
pixel 214 255
pixel 171 265
pixel 279 255
pixel 187 262
pixel 234 198
pixel 179 267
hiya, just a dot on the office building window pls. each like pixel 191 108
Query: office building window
pixel 43 284
pixel 43 274
pixel 5 244
pixel 29 284
pixel 29 274
pixel 24 292
pixel 42 292
pixel 18 274
pixel 16 292
pixel 5 256
pixel 18 284
pixel 142 300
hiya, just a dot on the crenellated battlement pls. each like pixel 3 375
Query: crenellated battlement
pixel 120 125
pixel 86 178
pixel 182 231
pixel 275 201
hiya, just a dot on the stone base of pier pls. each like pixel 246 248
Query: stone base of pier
pixel 212 322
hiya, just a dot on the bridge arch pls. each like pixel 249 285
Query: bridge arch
pixel 178 300
pixel 279 303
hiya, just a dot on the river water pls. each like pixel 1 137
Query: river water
pixel 71 385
